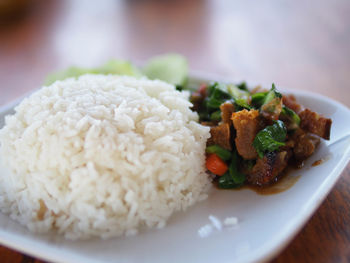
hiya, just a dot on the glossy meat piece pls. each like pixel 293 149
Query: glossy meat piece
pixel 290 102
pixel 314 123
pixel 220 135
pixel 267 169
pixel 305 146
pixel 246 124
pixel 227 109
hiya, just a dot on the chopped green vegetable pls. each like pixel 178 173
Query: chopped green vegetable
pixel 216 116
pixel 240 96
pixel 237 177
pixel 219 91
pixel 219 151
pixel 119 67
pixel 270 138
pixel 258 99
pixel 272 106
pixel 171 68
pixel 237 93
pixel 289 113
pixel 273 93
pixel 243 86
pixel 179 87
pixel 216 96
pixel 214 103
pixel 233 178
pixel 242 104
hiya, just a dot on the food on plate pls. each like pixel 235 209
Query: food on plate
pixel 102 156
pixel 107 151
pixel 255 134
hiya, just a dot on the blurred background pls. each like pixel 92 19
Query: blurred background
pixel 295 44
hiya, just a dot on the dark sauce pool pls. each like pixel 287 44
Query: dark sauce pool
pixel 285 181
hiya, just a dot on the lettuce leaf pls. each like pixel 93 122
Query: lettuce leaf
pixel 171 68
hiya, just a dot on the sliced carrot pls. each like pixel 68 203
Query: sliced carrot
pixel 216 165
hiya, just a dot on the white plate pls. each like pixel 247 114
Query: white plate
pixel 266 223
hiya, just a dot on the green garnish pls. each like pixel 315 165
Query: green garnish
pixel 258 99
pixel 216 96
pixel 237 93
pixel 242 104
pixel 232 178
pixel 216 116
pixel 219 151
pixel 272 94
pixel 214 103
pixel 289 113
pixel 270 138
pixel 243 86
pixel 240 95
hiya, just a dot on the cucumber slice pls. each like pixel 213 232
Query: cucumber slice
pixel 171 68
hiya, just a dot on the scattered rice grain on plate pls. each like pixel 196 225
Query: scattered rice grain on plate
pixel 205 230
pixel 231 221
pixel 216 222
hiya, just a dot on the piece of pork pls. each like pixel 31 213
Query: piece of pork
pixel 267 169
pixel 227 109
pixel 314 123
pixel 291 102
pixel 220 135
pixel 246 124
pixel 305 146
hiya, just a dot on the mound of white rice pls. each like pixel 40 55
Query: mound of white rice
pixel 102 156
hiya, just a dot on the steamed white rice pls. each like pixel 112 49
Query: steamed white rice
pixel 102 156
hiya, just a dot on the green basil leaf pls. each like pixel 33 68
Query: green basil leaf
pixel 219 151
pixel 270 138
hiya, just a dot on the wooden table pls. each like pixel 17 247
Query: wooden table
pixel 294 44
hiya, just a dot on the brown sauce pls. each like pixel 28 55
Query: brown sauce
pixel 285 181
pixel 318 162
pixel 283 184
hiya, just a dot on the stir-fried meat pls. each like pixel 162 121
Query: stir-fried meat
pixel 272 110
pixel 197 100
pixel 305 146
pixel 227 109
pixel 246 124
pixel 291 132
pixel 290 102
pixel 312 122
pixel 266 169
pixel 220 135
pixel 198 97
